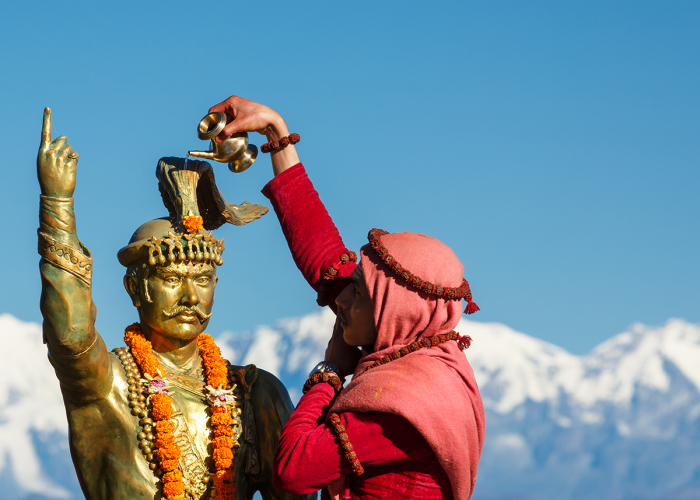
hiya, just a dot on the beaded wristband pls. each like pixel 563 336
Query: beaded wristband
pixel 462 342
pixel 328 377
pixel 324 288
pixel 272 146
pixel 339 430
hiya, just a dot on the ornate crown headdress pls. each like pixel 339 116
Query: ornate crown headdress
pixel 196 207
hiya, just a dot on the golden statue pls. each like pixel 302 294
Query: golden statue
pixel 165 416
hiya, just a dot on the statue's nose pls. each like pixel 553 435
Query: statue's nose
pixel 190 295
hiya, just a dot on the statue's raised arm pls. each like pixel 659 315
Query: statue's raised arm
pixel 75 348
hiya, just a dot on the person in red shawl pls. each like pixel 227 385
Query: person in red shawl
pixel 410 424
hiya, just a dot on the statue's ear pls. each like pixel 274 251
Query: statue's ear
pixel 132 288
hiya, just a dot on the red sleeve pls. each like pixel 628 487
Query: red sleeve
pixel 310 232
pixel 308 457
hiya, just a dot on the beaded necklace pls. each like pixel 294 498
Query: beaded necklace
pixel 161 446
pixel 463 342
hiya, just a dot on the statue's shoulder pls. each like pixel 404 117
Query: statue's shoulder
pixel 261 385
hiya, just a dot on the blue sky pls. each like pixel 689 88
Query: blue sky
pixel 553 145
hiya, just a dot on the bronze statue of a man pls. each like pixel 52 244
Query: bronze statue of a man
pixel 166 416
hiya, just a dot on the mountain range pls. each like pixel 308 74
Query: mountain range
pixel 620 423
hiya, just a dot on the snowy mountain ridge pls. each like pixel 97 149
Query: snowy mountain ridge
pixel 536 370
pixel 620 423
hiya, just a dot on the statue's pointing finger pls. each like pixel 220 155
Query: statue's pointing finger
pixel 46 130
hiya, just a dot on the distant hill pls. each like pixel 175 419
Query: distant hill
pixel 620 423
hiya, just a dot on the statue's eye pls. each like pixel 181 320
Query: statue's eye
pixel 203 280
pixel 172 280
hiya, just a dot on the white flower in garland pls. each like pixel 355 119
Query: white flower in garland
pixel 220 396
pixel 155 385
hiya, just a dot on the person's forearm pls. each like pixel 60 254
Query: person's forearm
pixel 312 236
pixel 308 457
pixel 283 158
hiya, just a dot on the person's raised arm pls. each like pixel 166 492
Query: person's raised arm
pixel 312 237
pixel 75 349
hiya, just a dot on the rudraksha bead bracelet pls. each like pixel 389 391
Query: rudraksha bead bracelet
pixel 338 429
pixel 326 284
pixel 328 377
pixel 272 146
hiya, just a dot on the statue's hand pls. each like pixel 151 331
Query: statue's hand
pixel 56 163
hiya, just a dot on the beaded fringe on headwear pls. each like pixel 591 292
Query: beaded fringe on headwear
pixel 196 248
pixel 446 292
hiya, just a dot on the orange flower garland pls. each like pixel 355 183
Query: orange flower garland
pixel 215 371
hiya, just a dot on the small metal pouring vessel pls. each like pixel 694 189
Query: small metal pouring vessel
pixel 234 150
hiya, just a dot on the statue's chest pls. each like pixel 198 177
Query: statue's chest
pixel 193 435
pixel 192 432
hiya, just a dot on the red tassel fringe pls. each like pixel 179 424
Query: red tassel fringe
pixel 464 342
pixel 471 307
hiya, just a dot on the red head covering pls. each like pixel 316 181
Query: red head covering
pixel 433 388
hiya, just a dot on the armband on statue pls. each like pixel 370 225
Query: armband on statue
pixel 65 257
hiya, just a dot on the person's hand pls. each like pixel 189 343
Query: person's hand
pixel 56 163
pixel 340 353
pixel 248 116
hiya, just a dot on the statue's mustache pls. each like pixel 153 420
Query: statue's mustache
pixel 179 308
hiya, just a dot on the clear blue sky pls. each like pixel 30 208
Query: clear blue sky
pixel 553 145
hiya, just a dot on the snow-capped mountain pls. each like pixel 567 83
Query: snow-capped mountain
pixel 620 423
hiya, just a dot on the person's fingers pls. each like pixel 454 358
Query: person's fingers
pixel 63 154
pixel 46 130
pixel 245 123
pixel 219 107
pixel 233 127
pixel 226 106
pixel 58 144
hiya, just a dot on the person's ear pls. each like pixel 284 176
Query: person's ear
pixel 132 288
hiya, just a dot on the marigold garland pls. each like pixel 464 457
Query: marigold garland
pixel 215 371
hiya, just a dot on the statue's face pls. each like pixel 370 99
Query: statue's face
pixel 181 299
